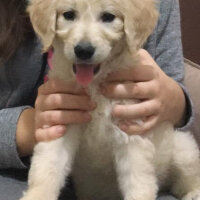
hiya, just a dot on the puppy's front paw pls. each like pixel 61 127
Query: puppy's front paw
pixel 195 195
pixel 140 197
pixel 34 195
pixel 29 197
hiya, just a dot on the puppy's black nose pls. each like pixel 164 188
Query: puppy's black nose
pixel 84 50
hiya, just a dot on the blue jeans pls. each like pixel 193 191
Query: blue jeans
pixel 13 183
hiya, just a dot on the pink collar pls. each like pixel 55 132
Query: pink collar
pixel 49 58
pixel 49 61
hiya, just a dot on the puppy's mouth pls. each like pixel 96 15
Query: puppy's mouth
pixel 85 73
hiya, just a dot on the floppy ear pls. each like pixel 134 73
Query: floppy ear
pixel 43 17
pixel 140 18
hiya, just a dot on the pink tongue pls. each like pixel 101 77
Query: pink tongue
pixel 84 73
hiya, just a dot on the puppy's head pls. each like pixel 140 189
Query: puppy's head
pixel 87 32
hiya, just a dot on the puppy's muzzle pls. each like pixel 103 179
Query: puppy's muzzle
pixel 84 67
pixel 84 51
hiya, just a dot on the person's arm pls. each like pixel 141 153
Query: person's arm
pixel 169 53
pixel 160 97
pixel 58 104
pixel 19 79
pixel 25 132
pixel 162 94
pixel 9 155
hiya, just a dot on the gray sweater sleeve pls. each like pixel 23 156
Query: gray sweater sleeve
pixel 165 46
pixel 169 52
pixel 8 149
pixel 19 80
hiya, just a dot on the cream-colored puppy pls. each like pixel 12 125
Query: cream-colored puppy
pixel 91 38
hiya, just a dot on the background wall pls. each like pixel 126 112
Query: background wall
pixel 190 23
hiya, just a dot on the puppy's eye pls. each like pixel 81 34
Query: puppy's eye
pixel 107 17
pixel 70 15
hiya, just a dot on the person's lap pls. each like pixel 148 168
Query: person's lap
pixel 14 182
pixel 12 186
pixel 166 197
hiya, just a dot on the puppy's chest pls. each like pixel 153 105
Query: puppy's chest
pixel 96 142
pixel 100 130
pixel 102 135
pixel 103 128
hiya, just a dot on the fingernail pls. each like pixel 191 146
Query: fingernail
pixel 86 90
pixel 60 130
pixel 123 127
pixel 45 126
pixel 92 105
pixel 87 117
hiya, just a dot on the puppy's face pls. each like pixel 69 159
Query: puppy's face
pixel 88 31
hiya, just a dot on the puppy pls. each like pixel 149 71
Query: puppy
pixel 92 38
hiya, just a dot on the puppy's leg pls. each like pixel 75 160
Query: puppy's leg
pixel 135 169
pixel 186 167
pixel 51 164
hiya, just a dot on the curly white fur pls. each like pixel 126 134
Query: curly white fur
pixel 105 162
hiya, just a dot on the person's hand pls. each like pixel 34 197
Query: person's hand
pixel 59 104
pixel 161 98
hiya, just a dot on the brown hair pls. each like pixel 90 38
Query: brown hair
pixel 15 26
